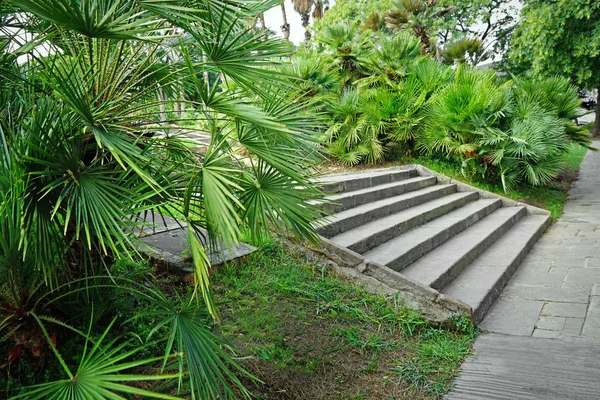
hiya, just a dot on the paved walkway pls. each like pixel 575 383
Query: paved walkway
pixel 525 368
pixel 544 328
pixel 556 291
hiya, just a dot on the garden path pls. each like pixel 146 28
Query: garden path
pixel 544 328
pixel 556 291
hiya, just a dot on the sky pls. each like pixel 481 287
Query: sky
pixel 274 20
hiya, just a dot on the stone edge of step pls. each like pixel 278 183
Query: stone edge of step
pixel 481 308
pixel 483 194
pixel 330 227
pixel 442 179
pixel 436 307
pixel 335 183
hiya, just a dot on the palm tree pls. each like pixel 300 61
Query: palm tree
pixel 303 8
pixel 85 150
pixel 417 16
pixel 318 11
pixel 285 27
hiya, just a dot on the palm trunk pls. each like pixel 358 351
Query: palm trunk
pixel 305 23
pixel 285 28
pixel 597 121
pixel 420 31
pixel 261 18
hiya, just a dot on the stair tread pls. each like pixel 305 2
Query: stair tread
pixel 349 237
pixel 364 174
pixel 404 182
pixel 364 208
pixel 401 245
pixel 481 276
pixel 431 266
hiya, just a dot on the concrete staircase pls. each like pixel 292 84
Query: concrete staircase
pixel 445 236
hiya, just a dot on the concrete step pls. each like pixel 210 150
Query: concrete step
pixel 354 217
pixel 480 283
pixel 363 238
pixel 439 267
pixel 361 180
pixel 405 249
pixel 347 200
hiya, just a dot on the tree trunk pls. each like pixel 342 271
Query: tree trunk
pixel 597 121
pixel 420 31
pixel 285 28
pixel 305 23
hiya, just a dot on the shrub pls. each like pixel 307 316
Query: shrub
pixel 90 145
pixel 515 131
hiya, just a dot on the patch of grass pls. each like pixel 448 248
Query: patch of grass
pixel 551 197
pixel 308 333
pixel 575 156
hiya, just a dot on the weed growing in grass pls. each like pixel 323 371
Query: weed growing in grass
pixel 438 355
pixel 356 338
pixel 277 351
pixel 463 325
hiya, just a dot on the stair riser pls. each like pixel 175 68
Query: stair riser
pixel 356 200
pixel 383 236
pixel 404 260
pixel 492 295
pixel 455 269
pixel 367 181
pixel 346 224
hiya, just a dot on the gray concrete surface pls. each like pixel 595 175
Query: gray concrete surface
pixel 556 291
pixel 546 323
pixel 525 368
pixel 165 239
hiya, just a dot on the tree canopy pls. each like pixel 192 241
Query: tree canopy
pixel 560 37
pixel 447 23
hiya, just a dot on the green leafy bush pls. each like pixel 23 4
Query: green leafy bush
pixel 94 97
pixel 509 130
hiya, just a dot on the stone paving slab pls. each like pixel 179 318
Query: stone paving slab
pixel 526 368
pixel 165 239
pixel 547 320
pixel 560 277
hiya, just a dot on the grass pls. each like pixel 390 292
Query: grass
pixel 307 333
pixel 551 197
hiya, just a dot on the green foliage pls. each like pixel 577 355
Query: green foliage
pixel 100 374
pixel 508 131
pixel 386 84
pixel 351 12
pixel 462 111
pixel 91 149
pixel 517 131
pixel 464 50
pixel 560 38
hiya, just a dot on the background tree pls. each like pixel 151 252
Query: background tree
pixel 492 22
pixel 285 26
pixel 419 16
pixel 303 8
pixel 351 12
pixel 561 37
